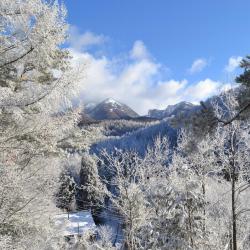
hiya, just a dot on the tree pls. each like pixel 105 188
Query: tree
pixel 35 84
pixel 220 162
pixel 243 98
pixel 104 240
pixel 233 152
pixel 89 194
pixel 125 192
pixel 135 185
pixel 244 95
pixel 66 193
pixel 187 185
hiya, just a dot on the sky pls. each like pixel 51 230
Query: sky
pixel 150 54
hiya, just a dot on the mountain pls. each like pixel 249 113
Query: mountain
pixel 110 109
pixel 89 107
pixel 182 108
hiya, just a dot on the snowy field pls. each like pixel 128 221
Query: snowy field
pixel 74 223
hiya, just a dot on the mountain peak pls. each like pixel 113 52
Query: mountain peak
pixel 111 109
pixel 111 101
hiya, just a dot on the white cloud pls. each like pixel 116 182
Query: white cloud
pixel 202 89
pixel 138 83
pixel 85 40
pixel 233 63
pixel 197 66
pixel 139 51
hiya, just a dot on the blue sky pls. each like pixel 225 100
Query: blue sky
pixel 149 54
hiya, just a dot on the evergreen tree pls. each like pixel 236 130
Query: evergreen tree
pixel 66 193
pixel 90 185
pixel 244 95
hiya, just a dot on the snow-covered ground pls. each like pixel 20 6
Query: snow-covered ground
pixel 75 223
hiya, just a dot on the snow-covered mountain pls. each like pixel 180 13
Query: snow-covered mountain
pixel 89 106
pixel 182 108
pixel 110 109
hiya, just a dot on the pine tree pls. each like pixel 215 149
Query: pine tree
pixel 89 195
pixel 244 95
pixel 66 193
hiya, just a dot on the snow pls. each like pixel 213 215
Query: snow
pixel 111 101
pixel 77 223
pixel 90 105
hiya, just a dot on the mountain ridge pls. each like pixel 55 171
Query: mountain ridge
pixel 172 110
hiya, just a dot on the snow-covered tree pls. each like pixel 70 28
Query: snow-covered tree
pixel 175 200
pixel 222 165
pixel 232 151
pixel 128 179
pixel 36 83
pixel 233 161
pixel 65 197
pixel 125 192
pixel 89 195
pixel 102 242
pixel 194 204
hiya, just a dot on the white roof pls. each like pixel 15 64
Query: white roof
pixel 77 223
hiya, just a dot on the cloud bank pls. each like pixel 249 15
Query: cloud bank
pixel 138 81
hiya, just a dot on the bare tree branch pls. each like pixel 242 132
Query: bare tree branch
pixel 17 59
pixel 229 121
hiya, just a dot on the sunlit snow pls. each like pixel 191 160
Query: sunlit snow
pixel 75 223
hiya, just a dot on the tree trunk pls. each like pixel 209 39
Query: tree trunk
pixel 204 208
pixel 233 180
pixel 234 226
